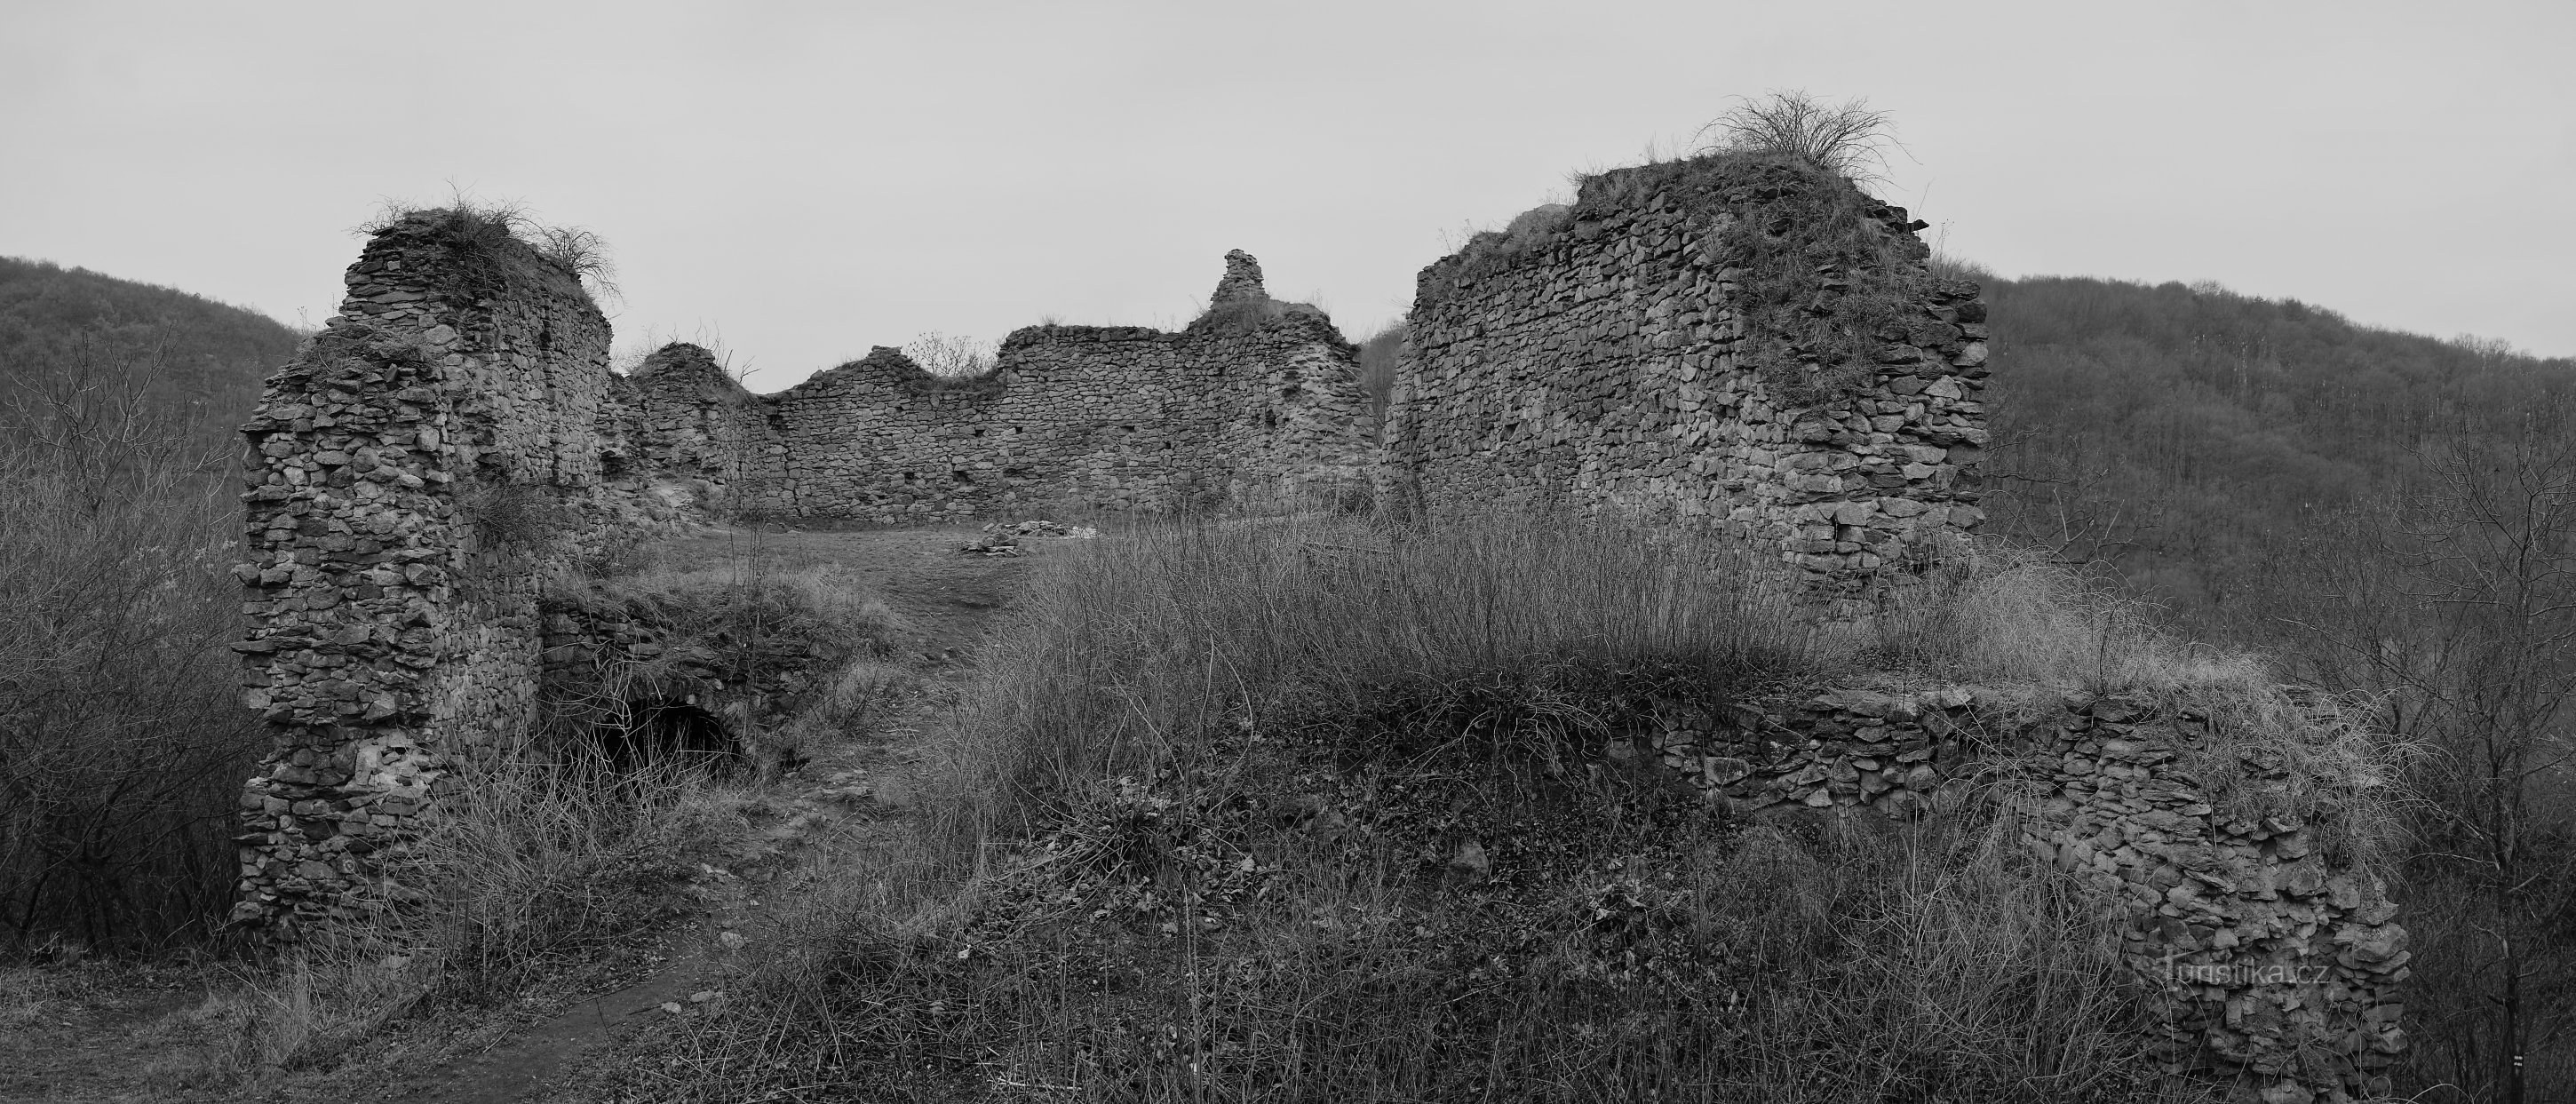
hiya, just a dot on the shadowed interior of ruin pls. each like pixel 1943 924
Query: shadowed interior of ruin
pixel 666 735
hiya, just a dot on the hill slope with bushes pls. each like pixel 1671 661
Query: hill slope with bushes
pixel 205 357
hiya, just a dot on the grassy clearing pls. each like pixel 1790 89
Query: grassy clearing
pixel 1311 810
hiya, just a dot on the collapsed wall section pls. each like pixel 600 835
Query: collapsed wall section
pixel 2267 945
pixel 1736 343
pixel 1257 400
pixel 402 471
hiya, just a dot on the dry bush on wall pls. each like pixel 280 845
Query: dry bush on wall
pixel 1848 139
pixel 483 232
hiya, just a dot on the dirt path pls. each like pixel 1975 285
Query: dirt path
pixel 949 601
pixel 105 1034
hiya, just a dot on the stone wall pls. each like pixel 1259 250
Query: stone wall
pixel 1256 400
pixel 1685 342
pixel 454 435
pixel 402 470
pixel 2269 948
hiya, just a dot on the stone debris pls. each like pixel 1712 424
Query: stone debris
pixel 1041 528
pixel 992 546
pixel 1002 538
pixel 2271 961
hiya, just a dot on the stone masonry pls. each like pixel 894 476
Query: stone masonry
pixel 1757 350
pixel 454 435
pixel 1606 359
pixel 2275 962
pixel 1258 400
pixel 394 467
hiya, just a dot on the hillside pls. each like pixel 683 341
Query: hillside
pixel 2185 435
pixel 207 356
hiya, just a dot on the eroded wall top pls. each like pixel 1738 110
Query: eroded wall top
pixel 1256 400
pixel 1738 343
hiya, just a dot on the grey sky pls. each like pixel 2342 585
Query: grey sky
pixel 807 180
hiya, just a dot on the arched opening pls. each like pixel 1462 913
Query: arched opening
pixel 668 735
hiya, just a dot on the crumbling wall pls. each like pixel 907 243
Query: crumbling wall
pixel 2269 947
pixel 1741 345
pixel 404 473
pixel 1256 400
pixel 454 435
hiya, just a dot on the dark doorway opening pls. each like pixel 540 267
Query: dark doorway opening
pixel 668 735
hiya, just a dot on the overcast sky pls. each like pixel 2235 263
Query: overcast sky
pixel 803 181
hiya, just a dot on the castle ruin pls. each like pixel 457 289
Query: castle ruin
pixel 1744 348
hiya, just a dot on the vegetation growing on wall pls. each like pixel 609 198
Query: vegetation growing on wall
pixel 1827 276
pixel 484 242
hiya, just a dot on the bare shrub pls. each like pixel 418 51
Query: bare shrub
pixel 951 357
pixel 1378 357
pixel 1846 139
pixel 122 738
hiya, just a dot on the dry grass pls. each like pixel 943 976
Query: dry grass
pixel 495 234
pixel 1205 833
pixel 531 874
pixel 796 646
pixel 1145 645
pixel 2021 623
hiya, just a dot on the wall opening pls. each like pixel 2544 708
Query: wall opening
pixel 666 735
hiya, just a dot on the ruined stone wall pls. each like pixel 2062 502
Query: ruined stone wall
pixel 2270 950
pixel 403 472
pixel 1256 400
pixel 1671 346
pixel 454 435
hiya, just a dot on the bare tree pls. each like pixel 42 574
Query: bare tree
pixel 956 357
pixel 2464 617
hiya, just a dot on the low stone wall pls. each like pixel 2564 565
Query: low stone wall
pixel 400 473
pixel 1257 400
pixel 2277 967
pixel 1612 356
